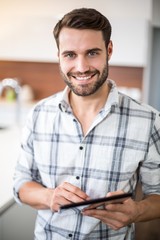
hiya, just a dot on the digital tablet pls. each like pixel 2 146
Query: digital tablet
pixel 119 198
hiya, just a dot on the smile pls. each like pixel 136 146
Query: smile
pixel 83 78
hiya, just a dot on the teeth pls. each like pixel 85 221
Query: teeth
pixel 83 78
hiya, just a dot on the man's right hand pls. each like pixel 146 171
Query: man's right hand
pixel 40 197
pixel 66 193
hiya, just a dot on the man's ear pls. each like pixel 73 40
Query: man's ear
pixel 110 49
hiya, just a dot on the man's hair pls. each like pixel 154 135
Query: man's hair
pixel 84 18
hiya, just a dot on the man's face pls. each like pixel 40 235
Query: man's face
pixel 83 60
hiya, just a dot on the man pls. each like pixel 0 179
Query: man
pixel 88 141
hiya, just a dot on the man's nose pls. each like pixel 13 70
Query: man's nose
pixel 82 64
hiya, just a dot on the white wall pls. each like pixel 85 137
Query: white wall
pixel 156 13
pixel 151 83
pixel 26 28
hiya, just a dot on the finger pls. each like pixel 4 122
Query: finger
pixel 109 194
pixel 124 207
pixel 100 213
pixel 75 190
pixel 115 207
pixel 58 199
pixel 108 218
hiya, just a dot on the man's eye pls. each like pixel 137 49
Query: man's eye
pixel 70 55
pixel 92 53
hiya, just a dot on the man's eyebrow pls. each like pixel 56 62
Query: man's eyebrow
pixel 94 49
pixel 87 51
pixel 67 52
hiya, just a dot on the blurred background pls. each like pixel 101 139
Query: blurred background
pixel 29 71
pixel 28 50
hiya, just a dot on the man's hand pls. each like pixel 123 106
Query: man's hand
pixel 115 215
pixel 66 193
pixel 40 197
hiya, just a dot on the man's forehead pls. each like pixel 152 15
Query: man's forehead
pixel 71 38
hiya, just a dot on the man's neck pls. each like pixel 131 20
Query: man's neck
pixel 86 108
pixel 92 103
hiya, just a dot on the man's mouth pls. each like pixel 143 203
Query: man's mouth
pixel 83 77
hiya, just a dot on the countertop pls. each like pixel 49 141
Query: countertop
pixel 10 145
pixel 10 134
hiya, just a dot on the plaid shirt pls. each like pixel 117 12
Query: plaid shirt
pixel 124 135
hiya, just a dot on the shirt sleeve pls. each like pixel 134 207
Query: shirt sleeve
pixel 150 168
pixel 26 169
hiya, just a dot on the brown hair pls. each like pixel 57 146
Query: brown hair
pixel 84 18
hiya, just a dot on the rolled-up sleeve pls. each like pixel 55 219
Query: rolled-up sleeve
pixel 26 169
pixel 150 169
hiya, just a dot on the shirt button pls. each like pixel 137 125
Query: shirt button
pixel 77 177
pixel 81 148
pixel 70 235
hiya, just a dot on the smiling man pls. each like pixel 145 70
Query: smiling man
pixel 84 60
pixel 87 142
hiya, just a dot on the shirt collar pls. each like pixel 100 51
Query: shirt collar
pixel 64 101
pixel 113 97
